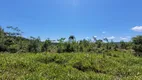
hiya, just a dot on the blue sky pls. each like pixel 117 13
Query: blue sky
pixel 114 19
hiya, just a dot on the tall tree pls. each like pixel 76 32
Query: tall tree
pixel 61 46
pixel 46 45
pixel 137 44
pixel 72 38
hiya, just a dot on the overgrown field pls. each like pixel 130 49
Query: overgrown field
pixel 70 66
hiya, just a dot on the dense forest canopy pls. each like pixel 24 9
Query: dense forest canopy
pixel 14 42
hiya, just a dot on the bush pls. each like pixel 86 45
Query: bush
pixel 137 45
pixel 79 66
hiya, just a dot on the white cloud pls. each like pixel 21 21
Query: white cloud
pixel 123 38
pixel 112 37
pixel 103 32
pixel 137 28
pixel 95 36
pixel 87 37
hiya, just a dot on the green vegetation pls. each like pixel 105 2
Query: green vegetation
pixel 137 45
pixel 71 66
pixel 33 59
pixel 14 42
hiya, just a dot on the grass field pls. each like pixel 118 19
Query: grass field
pixel 70 66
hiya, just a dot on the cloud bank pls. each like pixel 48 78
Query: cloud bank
pixel 123 38
pixel 137 28
pixel 112 37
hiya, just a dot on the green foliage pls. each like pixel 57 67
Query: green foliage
pixel 123 45
pixel 61 46
pixel 113 65
pixel 34 45
pixel 46 45
pixel 72 38
pixel 14 42
pixel 137 45
pixel 2 40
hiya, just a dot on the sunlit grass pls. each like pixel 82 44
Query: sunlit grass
pixel 71 66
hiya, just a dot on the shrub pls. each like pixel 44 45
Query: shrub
pixel 137 45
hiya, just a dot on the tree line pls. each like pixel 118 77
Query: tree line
pixel 14 42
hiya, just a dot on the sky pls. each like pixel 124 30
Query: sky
pixel 113 19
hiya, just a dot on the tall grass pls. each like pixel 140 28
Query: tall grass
pixel 71 66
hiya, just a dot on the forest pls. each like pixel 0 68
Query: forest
pixel 68 59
